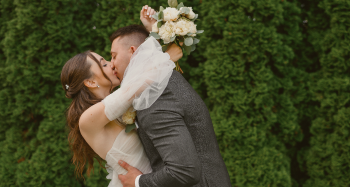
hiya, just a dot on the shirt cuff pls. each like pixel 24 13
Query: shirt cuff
pixel 137 181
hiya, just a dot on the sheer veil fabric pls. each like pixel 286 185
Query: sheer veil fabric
pixel 145 79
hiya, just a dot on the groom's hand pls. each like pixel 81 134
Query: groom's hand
pixel 146 17
pixel 128 180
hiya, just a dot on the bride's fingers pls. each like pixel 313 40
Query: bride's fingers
pixel 145 8
pixel 152 13
pixel 149 11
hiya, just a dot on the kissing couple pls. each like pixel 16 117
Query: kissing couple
pixel 174 144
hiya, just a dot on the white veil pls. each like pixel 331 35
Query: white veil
pixel 145 79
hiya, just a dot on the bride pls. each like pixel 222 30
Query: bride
pixel 88 80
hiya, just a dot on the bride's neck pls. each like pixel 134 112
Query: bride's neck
pixel 101 94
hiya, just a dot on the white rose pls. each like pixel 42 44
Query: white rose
pixel 171 14
pixel 166 31
pixel 129 116
pixel 190 15
pixel 155 27
pixel 182 27
pixel 193 28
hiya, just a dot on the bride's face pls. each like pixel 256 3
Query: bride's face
pixel 107 69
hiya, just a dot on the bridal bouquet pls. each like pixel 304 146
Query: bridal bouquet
pixel 129 119
pixel 176 24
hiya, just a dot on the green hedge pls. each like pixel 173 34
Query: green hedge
pixel 274 74
pixel 327 159
pixel 249 78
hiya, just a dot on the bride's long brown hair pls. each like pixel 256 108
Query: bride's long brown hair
pixel 74 72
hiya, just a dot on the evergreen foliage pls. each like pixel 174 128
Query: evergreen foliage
pixel 327 159
pixel 37 38
pixel 274 74
pixel 249 80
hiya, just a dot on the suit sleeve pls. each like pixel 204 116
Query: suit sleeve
pixel 169 134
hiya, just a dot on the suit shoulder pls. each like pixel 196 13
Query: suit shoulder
pixel 178 84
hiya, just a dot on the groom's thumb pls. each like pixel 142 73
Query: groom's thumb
pixel 124 165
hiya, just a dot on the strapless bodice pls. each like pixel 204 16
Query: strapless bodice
pixel 126 147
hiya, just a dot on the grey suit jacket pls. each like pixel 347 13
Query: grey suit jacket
pixel 179 139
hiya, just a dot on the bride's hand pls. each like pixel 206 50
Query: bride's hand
pixel 175 52
pixel 146 17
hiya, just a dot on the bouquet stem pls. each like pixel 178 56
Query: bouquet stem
pixel 178 68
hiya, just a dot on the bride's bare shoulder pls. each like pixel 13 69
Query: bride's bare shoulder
pixel 93 119
pixel 102 141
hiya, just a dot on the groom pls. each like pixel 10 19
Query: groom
pixel 176 131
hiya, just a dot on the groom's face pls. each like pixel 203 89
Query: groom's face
pixel 121 53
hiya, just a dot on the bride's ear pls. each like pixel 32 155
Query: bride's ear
pixel 90 83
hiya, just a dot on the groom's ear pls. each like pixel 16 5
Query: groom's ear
pixel 133 49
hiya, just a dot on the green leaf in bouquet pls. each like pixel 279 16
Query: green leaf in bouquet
pixel 200 31
pixel 155 16
pixel 193 47
pixel 188 49
pixel 185 10
pixel 160 15
pixel 195 17
pixel 172 38
pixel 195 41
pixel 188 41
pixel 172 3
pixel 165 47
pixel 180 5
pixel 129 128
pixel 155 35
pixel 159 24
pixel 161 9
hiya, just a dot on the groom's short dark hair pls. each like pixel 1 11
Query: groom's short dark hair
pixel 138 33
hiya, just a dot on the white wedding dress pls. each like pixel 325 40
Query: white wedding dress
pixel 145 79
pixel 126 147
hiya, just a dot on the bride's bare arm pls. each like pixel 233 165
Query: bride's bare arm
pixel 95 118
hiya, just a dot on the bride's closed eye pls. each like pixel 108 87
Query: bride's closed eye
pixel 103 62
